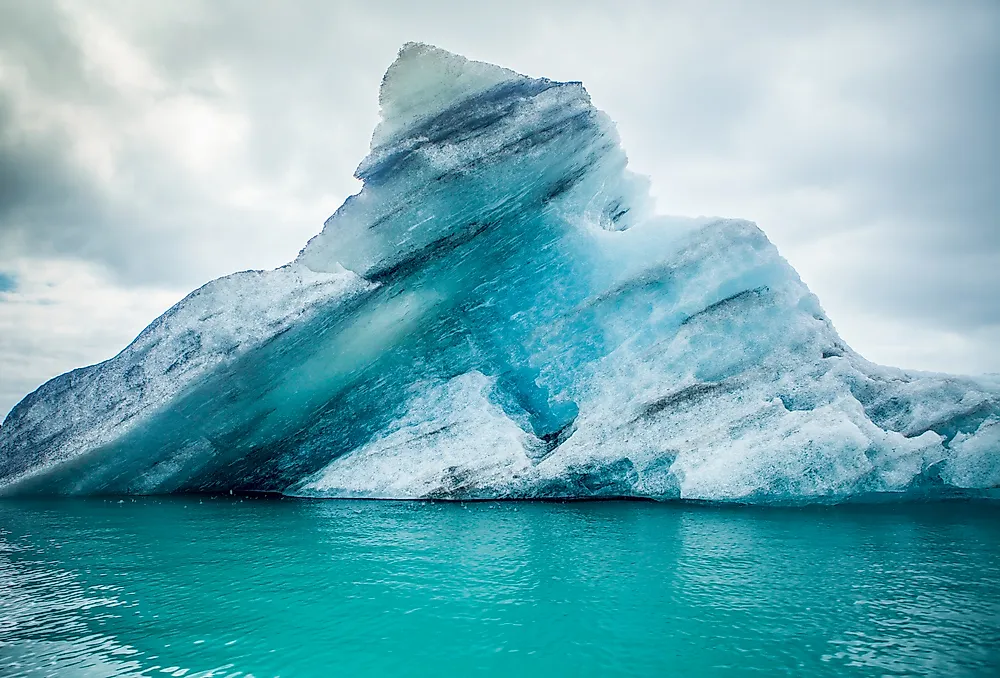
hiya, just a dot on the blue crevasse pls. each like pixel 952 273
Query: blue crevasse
pixel 498 313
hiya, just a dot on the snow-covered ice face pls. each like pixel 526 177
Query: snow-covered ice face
pixel 497 313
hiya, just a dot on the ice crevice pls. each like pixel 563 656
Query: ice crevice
pixel 498 313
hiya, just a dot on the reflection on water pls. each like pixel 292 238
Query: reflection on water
pixel 200 586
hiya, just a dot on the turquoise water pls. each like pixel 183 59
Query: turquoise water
pixel 189 586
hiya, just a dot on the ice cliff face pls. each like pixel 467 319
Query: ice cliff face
pixel 497 314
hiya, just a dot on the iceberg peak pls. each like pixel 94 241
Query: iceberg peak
pixel 425 80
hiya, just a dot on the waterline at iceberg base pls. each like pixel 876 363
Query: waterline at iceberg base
pixel 499 314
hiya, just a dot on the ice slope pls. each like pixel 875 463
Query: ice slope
pixel 498 314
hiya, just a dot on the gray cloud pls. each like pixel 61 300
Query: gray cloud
pixel 168 143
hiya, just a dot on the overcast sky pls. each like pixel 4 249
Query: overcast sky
pixel 148 147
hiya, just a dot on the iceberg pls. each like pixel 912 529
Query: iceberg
pixel 499 313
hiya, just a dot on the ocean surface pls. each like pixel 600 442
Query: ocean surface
pixel 200 586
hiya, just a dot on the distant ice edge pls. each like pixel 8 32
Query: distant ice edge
pixel 498 314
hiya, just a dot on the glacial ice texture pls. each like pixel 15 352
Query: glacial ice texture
pixel 498 314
